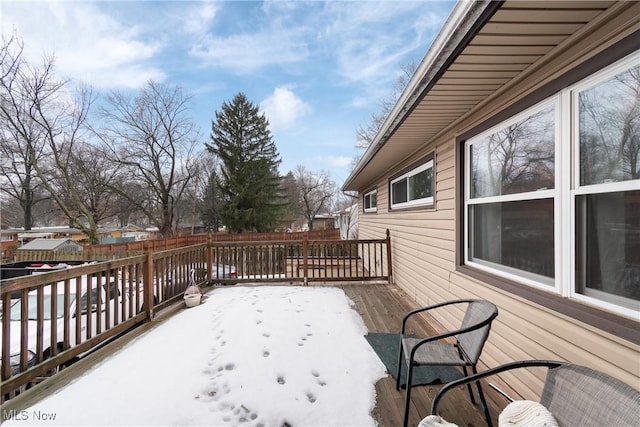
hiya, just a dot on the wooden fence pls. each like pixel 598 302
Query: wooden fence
pixel 181 241
pixel 51 319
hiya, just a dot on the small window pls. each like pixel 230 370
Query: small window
pixel 413 188
pixel 371 201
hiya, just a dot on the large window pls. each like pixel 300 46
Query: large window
pixel 370 200
pixel 413 188
pixel 552 195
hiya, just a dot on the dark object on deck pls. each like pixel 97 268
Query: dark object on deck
pixel 434 350
pixel 574 394
pixel 386 346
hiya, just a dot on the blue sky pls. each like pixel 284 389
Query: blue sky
pixel 317 69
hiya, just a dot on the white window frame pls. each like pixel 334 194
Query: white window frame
pixel 368 194
pixel 567 189
pixel 571 95
pixel 425 201
pixel 505 271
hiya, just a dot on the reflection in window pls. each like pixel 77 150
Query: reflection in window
pixel 371 201
pixel 517 235
pixel 399 192
pixel 420 185
pixel 515 159
pixel 414 188
pixel 608 246
pixel 609 128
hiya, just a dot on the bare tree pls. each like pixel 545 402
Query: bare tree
pixel 610 129
pixel 366 133
pixel 88 181
pixel 20 136
pixel 517 158
pixel 152 136
pixel 188 204
pixel 316 192
pixel 43 127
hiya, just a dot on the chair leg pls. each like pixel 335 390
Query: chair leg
pixel 407 402
pixel 483 401
pixel 400 363
pixel 473 400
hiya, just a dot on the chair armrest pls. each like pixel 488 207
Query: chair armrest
pixel 489 372
pixel 431 307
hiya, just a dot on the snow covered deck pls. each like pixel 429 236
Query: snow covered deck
pixel 251 355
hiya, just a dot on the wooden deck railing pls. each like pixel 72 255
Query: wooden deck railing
pixel 302 261
pixel 182 241
pixel 51 319
pixel 121 250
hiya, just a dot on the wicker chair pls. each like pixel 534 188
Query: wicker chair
pixel 435 350
pixel 574 394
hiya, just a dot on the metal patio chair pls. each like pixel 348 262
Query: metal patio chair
pixel 575 395
pixel 435 350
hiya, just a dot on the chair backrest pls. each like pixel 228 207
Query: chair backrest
pixel 579 396
pixel 478 312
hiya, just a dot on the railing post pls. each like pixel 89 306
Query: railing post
pixel 6 338
pixel 209 258
pixel 147 284
pixel 389 265
pixel 305 255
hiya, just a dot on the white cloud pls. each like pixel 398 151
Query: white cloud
pixel 198 19
pixel 367 42
pixel 337 161
pixel 249 52
pixel 88 44
pixel 283 108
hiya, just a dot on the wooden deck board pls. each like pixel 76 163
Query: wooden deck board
pixel 382 308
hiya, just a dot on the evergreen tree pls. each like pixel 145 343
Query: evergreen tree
pixel 210 204
pixel 249 180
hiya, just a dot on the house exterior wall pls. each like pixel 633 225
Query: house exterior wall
pixel 425 241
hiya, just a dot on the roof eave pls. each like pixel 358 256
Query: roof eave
pixel 463 23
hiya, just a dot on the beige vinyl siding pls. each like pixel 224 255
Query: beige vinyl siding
pixel 424 240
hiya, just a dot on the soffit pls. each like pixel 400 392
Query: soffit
pixel 518 35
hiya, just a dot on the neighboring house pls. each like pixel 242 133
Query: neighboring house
pixel 8 242
pixel 509 170
pixel 346 221
pixel 54 232
pixel 323 222
pixel 137 235
pixel 27 236
pixel 129 233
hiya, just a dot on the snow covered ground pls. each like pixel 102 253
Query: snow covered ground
pixel 253 356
